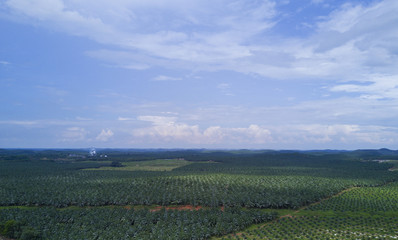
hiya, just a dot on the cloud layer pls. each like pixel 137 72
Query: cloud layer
pixel 218 73
pixel 350 43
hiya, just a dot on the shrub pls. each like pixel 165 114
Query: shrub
pixel 11 229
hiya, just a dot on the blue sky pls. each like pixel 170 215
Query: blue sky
pixel 309 74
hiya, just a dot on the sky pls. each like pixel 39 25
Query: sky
pixel 256 74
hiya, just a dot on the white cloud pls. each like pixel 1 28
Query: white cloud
pixel 40 123
pixel 369 34
pixel 83 119
pixel 55 14
pixel 223 86
pixel 341 134
pixel 378 87
pixel 214 134
pixel 135 66
pixel 166 78
pixel 225 89
pixel 356 45
pixel 343 19
pixel 166 129
pixel 350 42
pixel 175 133
pixel 74 134
pixel 125 119
pixel 17 122
pixel 253 134
pixel 104 135
pixel 194 31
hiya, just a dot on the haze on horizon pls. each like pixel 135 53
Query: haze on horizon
pixel 311 74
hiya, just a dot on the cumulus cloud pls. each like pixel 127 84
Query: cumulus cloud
pixel 168 130
pixel 104 135
pixel 177 133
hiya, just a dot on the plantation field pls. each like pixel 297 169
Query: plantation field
pixel 267 188
pixel 324 227
pixel 151 165
pixel 360 213
pixel 373 200
pixel 121 223
pixel 395 165
pixel 196 195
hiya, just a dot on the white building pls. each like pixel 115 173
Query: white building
pixel 92 152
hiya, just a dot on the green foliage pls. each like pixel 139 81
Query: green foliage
pixel 29 233
pixel 149 165
pixel 15 229
pixel 261 183
pixel 116 164
pixel 121 223
pixel 366 199
pixel 326 227
pixel 360 213
pixel 11 228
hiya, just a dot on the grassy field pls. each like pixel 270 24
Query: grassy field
pixel 152 165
